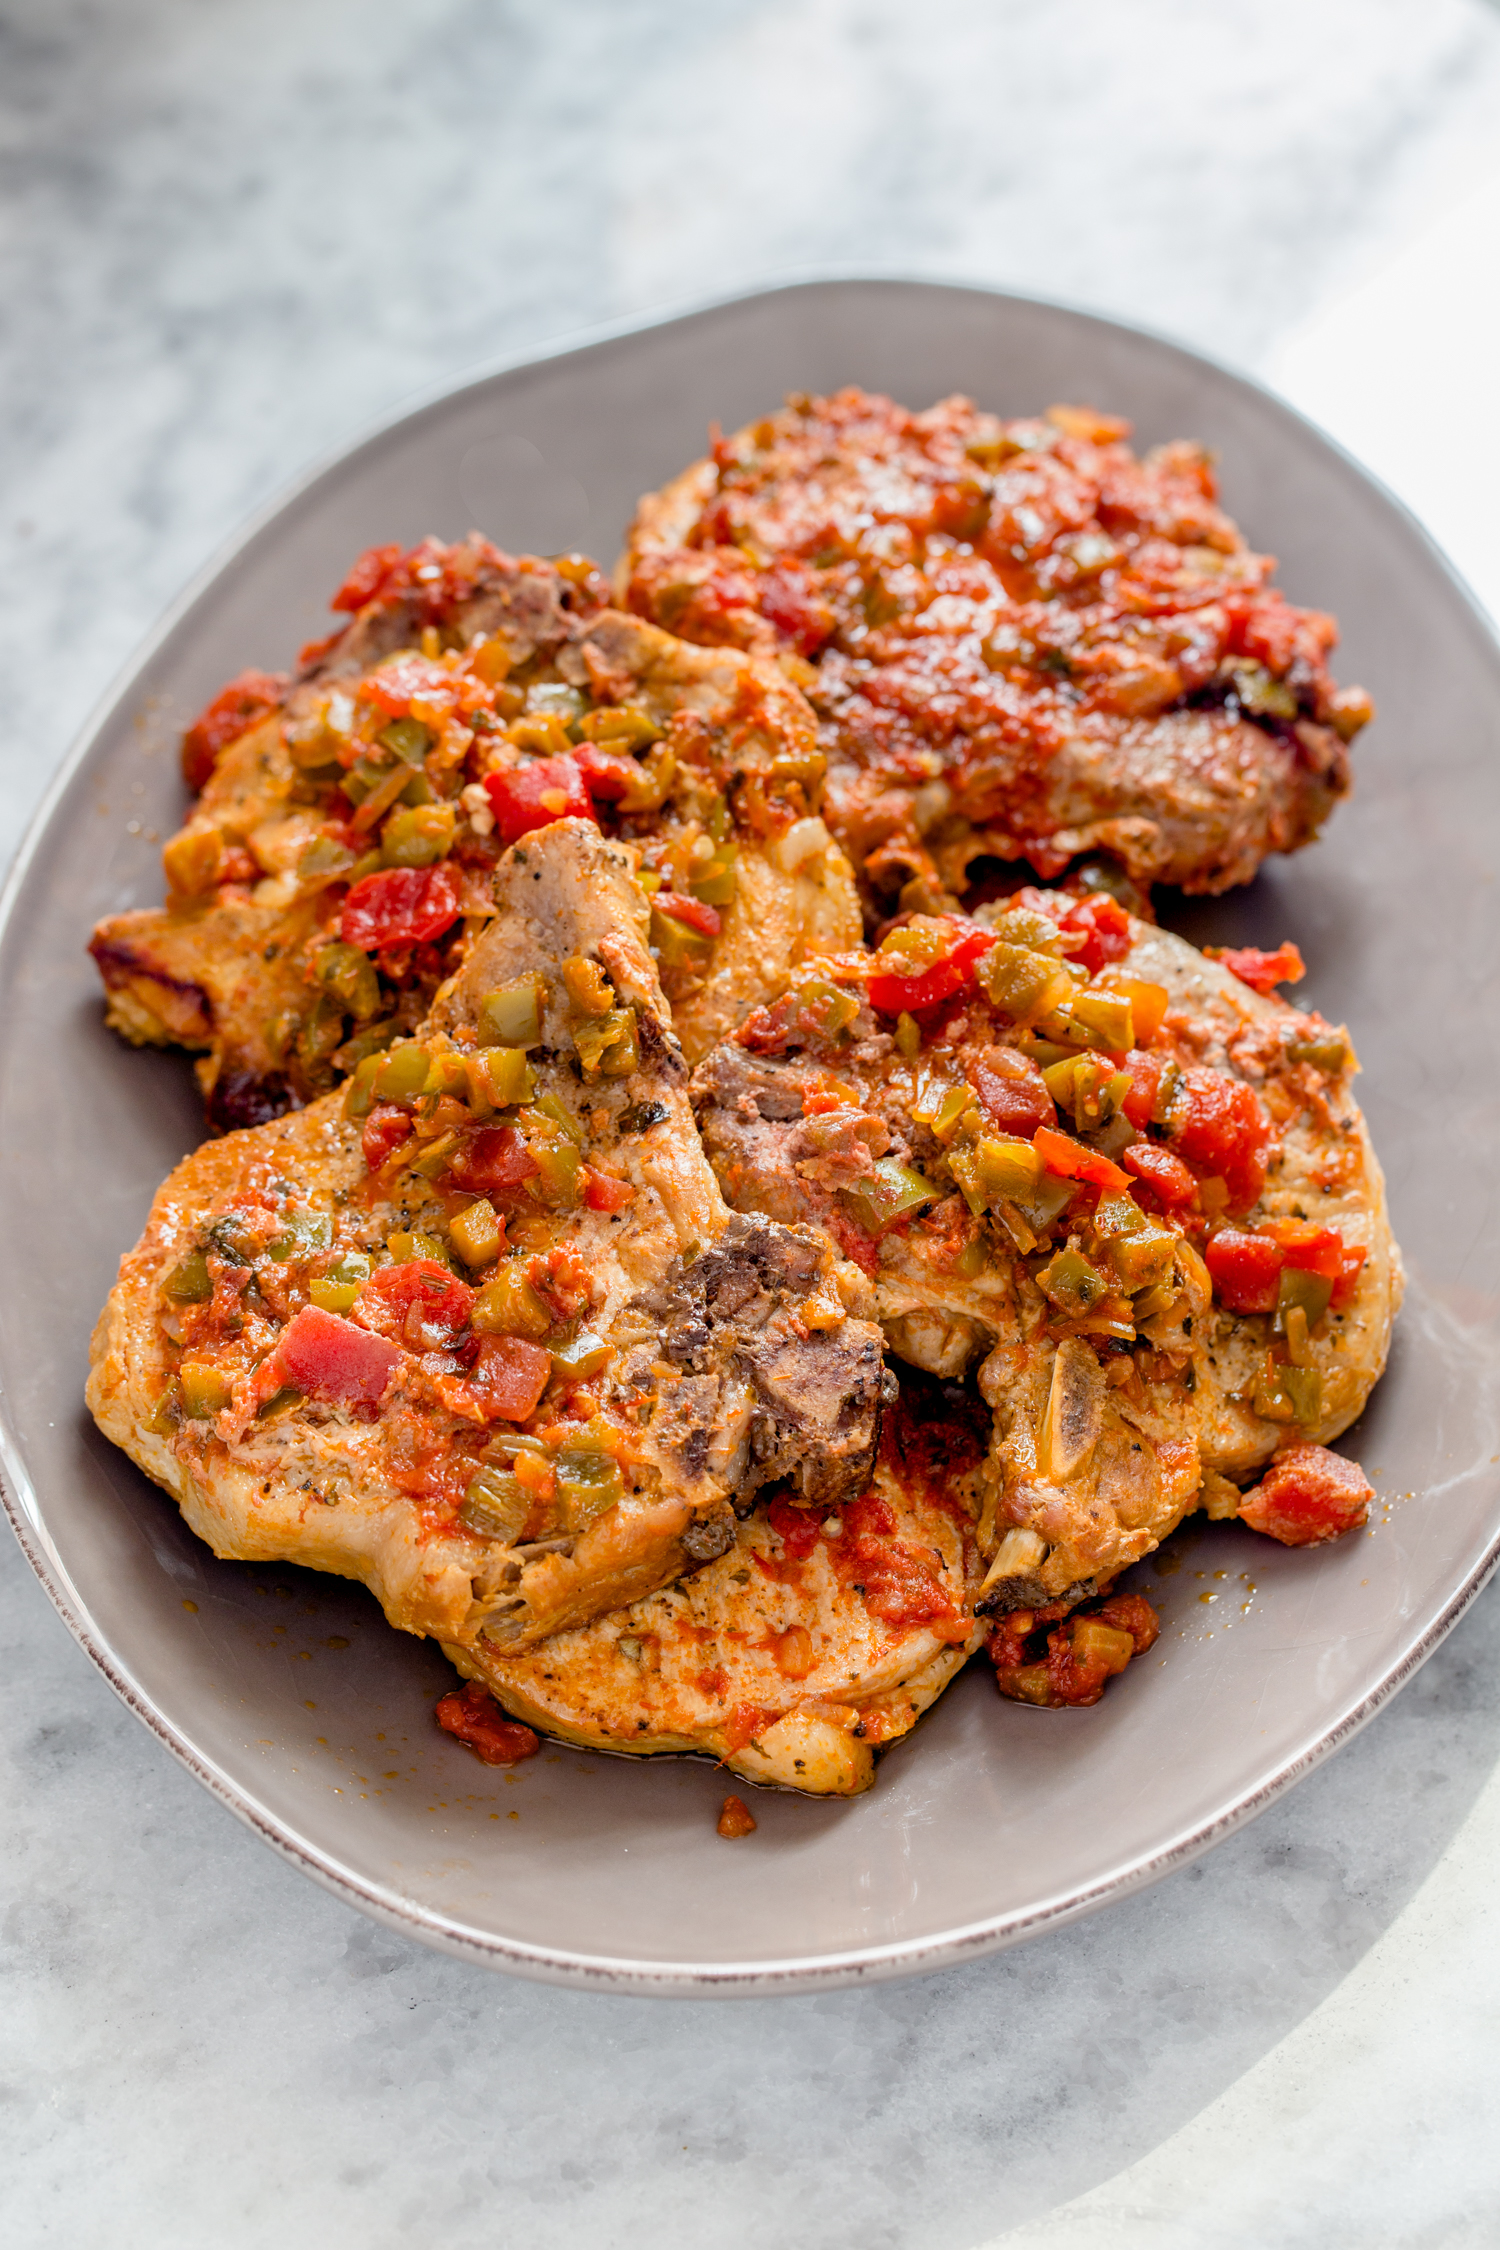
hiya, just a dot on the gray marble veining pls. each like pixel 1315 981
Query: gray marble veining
pixel 229 236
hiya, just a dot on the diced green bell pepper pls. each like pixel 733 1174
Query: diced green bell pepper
pixel 511 1016
pixel 607 1044
pixel 1071 1283
pixel 189 1283
pixel 507 1305
pixel 418 835
pixel 585 1355
pixel 337 1290
pixel 892 1191
pixel 401 1074
pixel 496 1505
pixel 206 1390
pixel 408 738
pixel 1310 1291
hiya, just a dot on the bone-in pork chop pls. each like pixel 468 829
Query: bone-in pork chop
pixel 480 1331
pixel 1022 640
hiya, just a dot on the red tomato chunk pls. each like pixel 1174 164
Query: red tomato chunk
pixel 1261 971
pixel 400 906
pixel 1104 926
pixel 1144 1072
pixel 233 711
pixel 419 1304
pixel 1245 1268
pixel 1013 1093
pixel 534 795
pixel 473 1717
pixel 606 774
pixel 1221 1130
pixel 909 995
pixel 1070 1160
pixel 693 912
pixel 493 1161
pixel 394 686
pixel 1166 1175
pixel 603 1192
pixel 1308 1495
pixel 332 1358
pixel 386 1128
pixel 505 1383
pixel 368 575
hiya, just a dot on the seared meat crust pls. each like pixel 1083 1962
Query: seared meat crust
pixel 349 1436
pixel 1021 640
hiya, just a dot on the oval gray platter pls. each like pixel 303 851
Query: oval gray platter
pixel 288 1695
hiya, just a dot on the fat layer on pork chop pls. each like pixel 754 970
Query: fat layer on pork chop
pixel 342 852
pixel 481 1331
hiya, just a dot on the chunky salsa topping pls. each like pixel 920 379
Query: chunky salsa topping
pixel 439 1294
pixel 409 779
pixel 1057 1656
pixel 1056 1114
pixel 977 593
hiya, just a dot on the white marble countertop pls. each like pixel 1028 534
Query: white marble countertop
pixel 230 236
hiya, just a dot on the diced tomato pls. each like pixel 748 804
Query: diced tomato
pixel 419 1304
pixel 505 1383
pixel 904 995
pixel 400 906
pixel 1220 1129
pixel 233 711
pixel 796 1528
pixel 1097 923
pixel 333 1358
pixel 1245 1269
pixel 386 1128
pixel 697 915
pixel 1261 971
pixel 1306 1248
pixel 367 577
pixel 1144 1072
pixel 473 1717
pixel 1105 927
pixel 534 795
pixel 1307 1495
pixel 493 1161
pixel 1166 1175
pixel 603 1192
pixel 789 600
pixel 606 774
pixel 1070 1160
pixel 393 686
pixel 1013 1093
pixel 1321 1250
